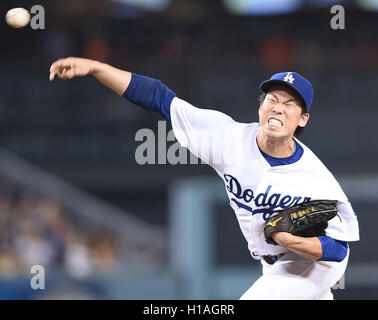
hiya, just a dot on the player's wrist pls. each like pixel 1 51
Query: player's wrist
pixel 309 248
pixel 283 239
pixel 95 67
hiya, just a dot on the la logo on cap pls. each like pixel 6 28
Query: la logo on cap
pixel 289 78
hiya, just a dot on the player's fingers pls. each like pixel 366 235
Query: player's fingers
pixel 63 68
pixel 61 73
pixel 53 72
pixel 55 68
pixel 52 76
pixel 67 73
pixel 59 65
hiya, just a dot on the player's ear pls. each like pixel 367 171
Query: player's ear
pixel 260 106
pixel 261 100
pixel 303 120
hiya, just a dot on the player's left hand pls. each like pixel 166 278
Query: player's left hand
pixel 307 219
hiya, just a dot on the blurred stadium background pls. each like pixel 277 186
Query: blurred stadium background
pixel 74 200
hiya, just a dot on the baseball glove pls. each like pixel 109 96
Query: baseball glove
pixel 308 219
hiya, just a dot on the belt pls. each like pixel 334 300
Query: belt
pixel 271 259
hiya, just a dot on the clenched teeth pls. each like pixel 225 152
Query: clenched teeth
pixel 275 122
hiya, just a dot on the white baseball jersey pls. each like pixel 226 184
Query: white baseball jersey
pixel 256 189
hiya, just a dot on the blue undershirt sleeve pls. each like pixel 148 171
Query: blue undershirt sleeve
pixel 333 250
pixel 150 94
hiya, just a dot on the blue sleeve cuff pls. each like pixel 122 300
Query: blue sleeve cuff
pixel 333 250
pixel 150 94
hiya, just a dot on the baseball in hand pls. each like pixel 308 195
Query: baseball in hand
pixel 17 17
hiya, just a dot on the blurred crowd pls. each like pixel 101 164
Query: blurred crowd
pixel 202 37
pixel 300 39
pixel 35 230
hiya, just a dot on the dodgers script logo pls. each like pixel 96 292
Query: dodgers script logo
pixel 265 203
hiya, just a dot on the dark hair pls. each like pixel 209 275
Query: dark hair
pixel 299 130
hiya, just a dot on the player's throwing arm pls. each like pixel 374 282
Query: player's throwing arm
pixel 68 68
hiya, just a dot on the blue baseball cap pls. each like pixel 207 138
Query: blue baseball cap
pixel 293 81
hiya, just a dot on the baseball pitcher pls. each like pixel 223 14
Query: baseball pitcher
pixel 291 210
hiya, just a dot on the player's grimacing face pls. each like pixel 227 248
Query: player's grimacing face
pixel 280 114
